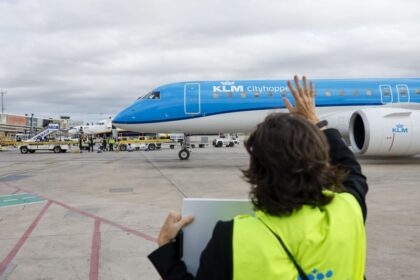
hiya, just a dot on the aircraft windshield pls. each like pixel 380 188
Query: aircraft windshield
pixel 151 95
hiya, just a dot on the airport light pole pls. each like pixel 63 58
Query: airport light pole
pixel 32 120
pixel 3 93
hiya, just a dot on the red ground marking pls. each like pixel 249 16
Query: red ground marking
pixel 94 256
pixel 106 221
pixel 87 214
pixel 5 263
pixel 15 190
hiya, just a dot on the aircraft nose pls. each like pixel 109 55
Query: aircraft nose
pixel 123 117
pixel 116 119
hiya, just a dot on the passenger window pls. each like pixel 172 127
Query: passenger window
pixel 355 93
pixel 283 93
pixel 369 92
pixel 257 94
pixel 328 93
pixel 229 94
pixel 243 94
pixel 418 91
pixel 215 95
pixel 270 93
pixel 403 91
pixel 342 93
pixel 386 91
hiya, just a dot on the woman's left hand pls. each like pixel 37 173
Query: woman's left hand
pixel 304 99
pixel 173 224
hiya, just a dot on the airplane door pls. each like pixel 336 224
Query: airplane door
pixel 386 94
pixel 403 93
pixel 192 99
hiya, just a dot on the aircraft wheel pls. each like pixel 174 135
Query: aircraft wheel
pixel 123 147
pixel 24 150
pixel 57 150
pixel 184 154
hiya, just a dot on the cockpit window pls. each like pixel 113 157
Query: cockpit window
pixel 151 95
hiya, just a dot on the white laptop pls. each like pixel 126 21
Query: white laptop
pixel 206 214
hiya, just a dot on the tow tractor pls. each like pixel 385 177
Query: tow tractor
pixel 37 143
pixel 148 145
pixel 225 141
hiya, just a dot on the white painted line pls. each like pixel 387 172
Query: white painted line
pixel 7 200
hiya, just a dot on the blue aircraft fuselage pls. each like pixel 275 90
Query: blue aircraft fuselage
pixel 188 100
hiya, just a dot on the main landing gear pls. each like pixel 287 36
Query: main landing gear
pixel 185 152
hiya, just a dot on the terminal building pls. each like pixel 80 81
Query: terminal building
pixel 11 124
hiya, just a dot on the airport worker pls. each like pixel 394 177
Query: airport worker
pixel 111 143
pixel 130 149
pixel 104 144
pixel 308 192
pixel 80 143
pixel 91 144
pixel 85 143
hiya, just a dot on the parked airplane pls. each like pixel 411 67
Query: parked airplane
pixel 377 116
pixel 101 127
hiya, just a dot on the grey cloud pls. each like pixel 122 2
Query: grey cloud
pixel 84 57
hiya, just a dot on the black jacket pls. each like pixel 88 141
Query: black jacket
pixel 216 260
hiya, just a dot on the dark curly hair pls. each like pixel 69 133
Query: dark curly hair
pixel 289 165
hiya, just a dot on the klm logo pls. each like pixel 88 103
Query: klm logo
pixel 228 87
pixel 318 275
pixel 399 128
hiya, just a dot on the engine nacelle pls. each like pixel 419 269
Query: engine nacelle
pixel 385 132
pixel 339 120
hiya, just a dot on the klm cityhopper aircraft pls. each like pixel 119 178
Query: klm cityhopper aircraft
pixel 378 116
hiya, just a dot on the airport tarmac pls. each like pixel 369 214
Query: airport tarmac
pixel 97 215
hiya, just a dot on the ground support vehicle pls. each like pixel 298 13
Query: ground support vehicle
pixel 227 142
pixel 144 145
pixel 56 147
pixel 8 143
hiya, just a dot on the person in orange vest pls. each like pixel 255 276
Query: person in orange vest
pixel 308 191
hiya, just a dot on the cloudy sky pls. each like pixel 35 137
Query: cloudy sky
pixel 90 58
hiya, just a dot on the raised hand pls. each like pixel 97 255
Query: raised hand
pixel 304 99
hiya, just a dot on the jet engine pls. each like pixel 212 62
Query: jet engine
pixel 385 132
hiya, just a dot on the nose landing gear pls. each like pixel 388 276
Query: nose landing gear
pixel 185 152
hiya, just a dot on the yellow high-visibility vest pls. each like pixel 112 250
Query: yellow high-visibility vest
pixel 328 243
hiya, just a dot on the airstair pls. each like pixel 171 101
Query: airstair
pixel 52 127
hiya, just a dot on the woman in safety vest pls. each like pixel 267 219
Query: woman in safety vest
pixel 308 191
